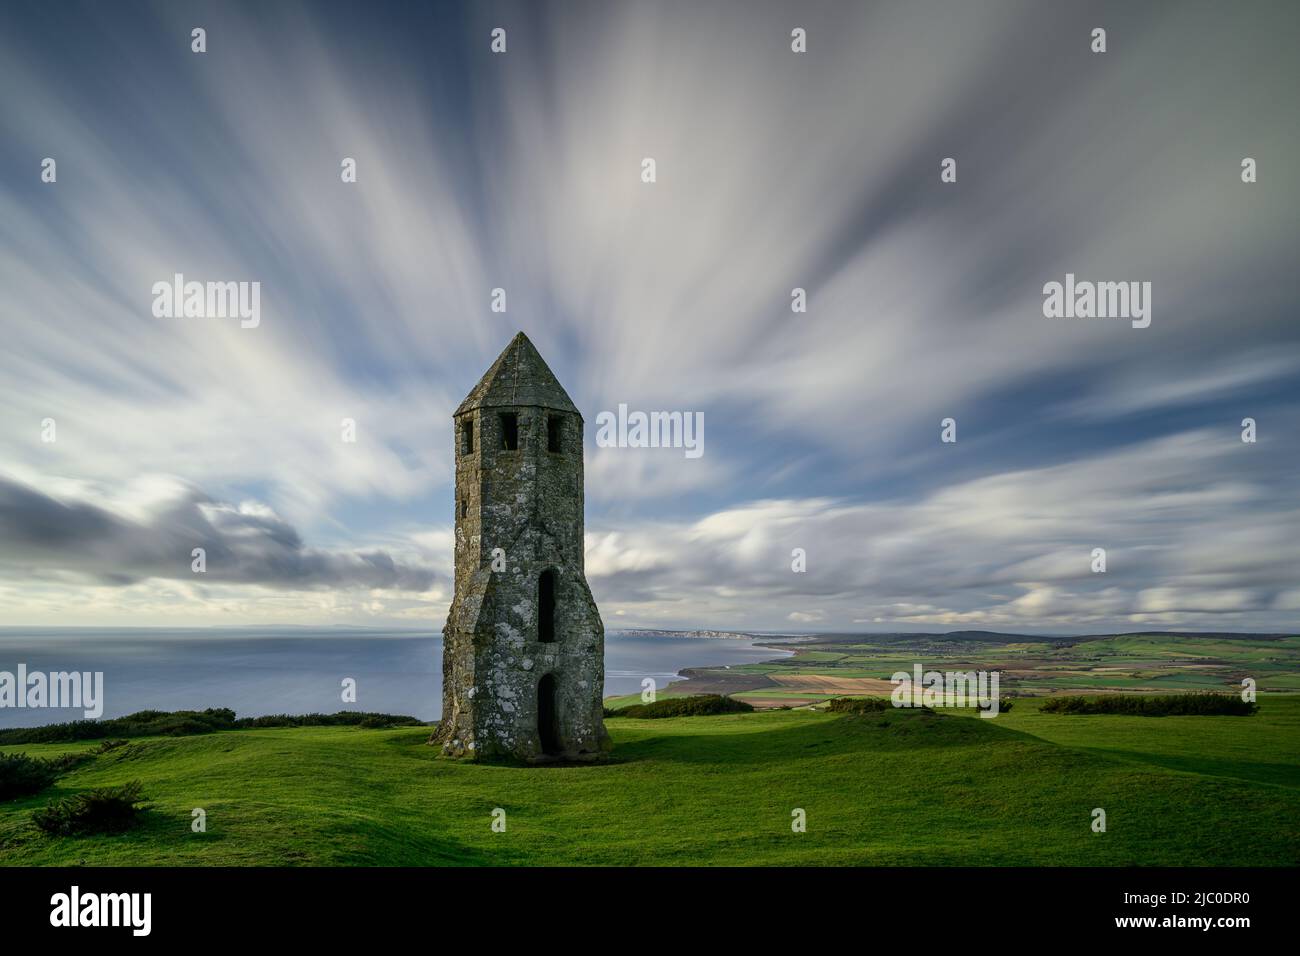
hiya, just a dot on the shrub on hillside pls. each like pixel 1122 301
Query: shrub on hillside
pixel 144 723
pixel 875 705
pixel 102 810
pixel 184 723
pixel 344 718
pixel 21 775
pixel 383 721
pixel 857 705
pixel 1162 705
pixel 700 705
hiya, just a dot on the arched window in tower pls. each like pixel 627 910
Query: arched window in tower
pixel 546 606
pixel 467 438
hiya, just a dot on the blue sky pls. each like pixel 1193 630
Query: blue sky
pixel 775 169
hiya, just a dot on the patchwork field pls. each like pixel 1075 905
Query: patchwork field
pixel 839 665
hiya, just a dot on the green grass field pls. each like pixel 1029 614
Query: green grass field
pixel 901 788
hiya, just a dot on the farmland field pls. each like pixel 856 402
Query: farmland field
pixel 831 665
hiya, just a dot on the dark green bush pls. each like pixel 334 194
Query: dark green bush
pixel 857 705
pixel 21 775
pixel 875 705
pixel 1161 705
pixel 700 705
pixel 145 723
pixel 102 810
pixel 156 723
pixel 344 718
pixel 381 721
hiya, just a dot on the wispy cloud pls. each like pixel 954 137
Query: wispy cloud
pixel 776 170
pixel 1186 542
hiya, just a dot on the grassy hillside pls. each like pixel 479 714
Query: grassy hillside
pixel 902 789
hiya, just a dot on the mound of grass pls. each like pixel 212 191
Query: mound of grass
pixel 701 705
pixel 102 810
pixel 185 723
pixel 1164 705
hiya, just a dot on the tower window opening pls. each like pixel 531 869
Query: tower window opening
pixel 546 607
pixel 464 508
pixel 509 431
pixel 467 438
pixel 554 431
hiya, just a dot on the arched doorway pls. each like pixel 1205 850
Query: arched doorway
pixel 548 725
pixel 546 606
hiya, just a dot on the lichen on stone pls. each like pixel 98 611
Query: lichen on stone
pixel 500 677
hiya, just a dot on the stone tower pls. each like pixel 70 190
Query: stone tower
pixel 523 660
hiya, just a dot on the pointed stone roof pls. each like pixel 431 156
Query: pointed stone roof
pixel 519 376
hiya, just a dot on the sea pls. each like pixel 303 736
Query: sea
pixel 291 671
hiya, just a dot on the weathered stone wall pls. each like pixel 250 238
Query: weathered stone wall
pixel 528 502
